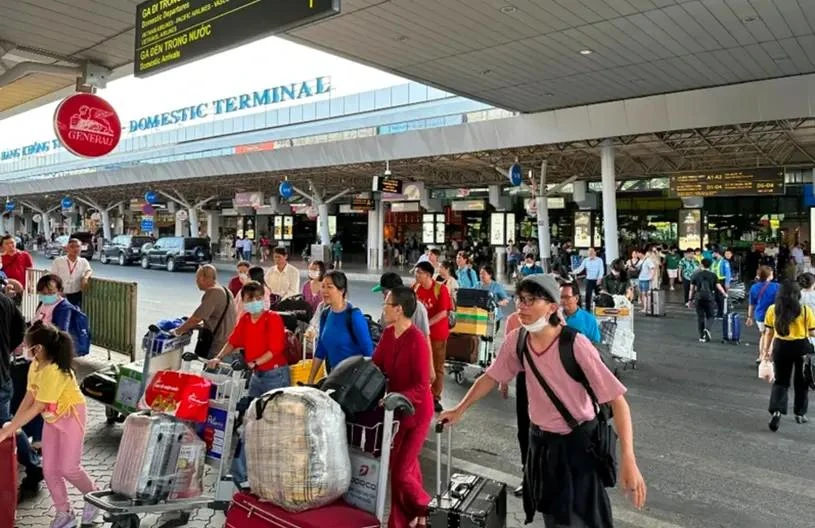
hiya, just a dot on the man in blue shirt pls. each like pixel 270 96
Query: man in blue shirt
pixel 721 268
pixel 762 296
pixel 594 268
pixel 576 317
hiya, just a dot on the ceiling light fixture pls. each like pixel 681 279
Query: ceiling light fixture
pixel 400 38
pixel 485 72
pixel 509 9
pixel 548 94
pixel 586 51
pixel 749 18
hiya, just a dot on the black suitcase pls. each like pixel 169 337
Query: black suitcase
pixel 467 501
pixel 356 384
pixel 474 298
pixel 101 385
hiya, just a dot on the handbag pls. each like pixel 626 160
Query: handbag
pixel 604 438
pixel 207 336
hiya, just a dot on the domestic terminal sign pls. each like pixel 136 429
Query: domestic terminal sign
pixel 767 181
pixel 170 33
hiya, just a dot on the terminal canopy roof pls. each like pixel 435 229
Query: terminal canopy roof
pixel 524 55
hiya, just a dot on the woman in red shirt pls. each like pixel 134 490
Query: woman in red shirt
pixel 402 355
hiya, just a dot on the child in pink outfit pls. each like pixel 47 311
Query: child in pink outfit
pixel 54 393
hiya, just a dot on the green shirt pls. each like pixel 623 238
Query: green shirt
pixel 688 267
pixel 672 260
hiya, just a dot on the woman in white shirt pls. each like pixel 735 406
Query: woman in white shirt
pixel 807 283
pixel 447 273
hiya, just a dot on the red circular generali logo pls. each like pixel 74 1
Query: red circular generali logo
pixel 87 125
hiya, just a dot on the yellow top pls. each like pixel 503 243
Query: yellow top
pixel 58 390
pixel 800 327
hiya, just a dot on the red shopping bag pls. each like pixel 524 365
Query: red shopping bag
pixel 180 394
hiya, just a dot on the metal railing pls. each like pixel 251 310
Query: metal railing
pixel 110 306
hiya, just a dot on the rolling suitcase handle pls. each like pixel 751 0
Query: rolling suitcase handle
pixel 439 430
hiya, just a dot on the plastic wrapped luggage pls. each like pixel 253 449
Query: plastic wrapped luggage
pixel 656 304
pixel 296 448
pixel 8 493
pixel 147 461
pixel 472 321
pixel 189 481
pixel 356 384
pixel 463 348
pixel 247 511
pixel 731 328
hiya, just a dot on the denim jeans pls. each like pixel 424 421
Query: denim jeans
pixel 25 455
pixel 259 384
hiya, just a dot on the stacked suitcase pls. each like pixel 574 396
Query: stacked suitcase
pixel 148 473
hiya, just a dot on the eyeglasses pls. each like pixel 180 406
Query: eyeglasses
pixel 527 300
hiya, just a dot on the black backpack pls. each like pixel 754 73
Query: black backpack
pixel 356 384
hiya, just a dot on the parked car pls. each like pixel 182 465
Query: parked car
pixel 124 249
pixel 174 253
pixel 56 248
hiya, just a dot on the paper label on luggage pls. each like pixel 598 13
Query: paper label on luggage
pixel 128 393
pixel 364 482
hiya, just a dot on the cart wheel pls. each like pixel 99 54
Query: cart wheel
pixel 111 415
pixel 634 365
pixel 131 521
pixel 180 520
pixel 459 377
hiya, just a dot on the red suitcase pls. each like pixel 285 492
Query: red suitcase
pixel 8 494
pixel 247 511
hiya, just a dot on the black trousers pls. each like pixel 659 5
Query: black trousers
pixel 719 301
pixel 705 310
pixel 75 299
pixel 788 360
pixel 591 287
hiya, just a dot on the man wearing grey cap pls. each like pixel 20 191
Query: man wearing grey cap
pixel 560 480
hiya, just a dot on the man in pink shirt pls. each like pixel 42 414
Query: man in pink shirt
pixel 567 488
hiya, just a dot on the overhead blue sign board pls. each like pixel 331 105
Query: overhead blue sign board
pixel 286 190
pixel 67 202
pixel 147 225
pixel 514 174
pixel 10 205
pixel 150 197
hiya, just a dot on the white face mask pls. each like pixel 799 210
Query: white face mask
pixel 313 274
pixel 538 325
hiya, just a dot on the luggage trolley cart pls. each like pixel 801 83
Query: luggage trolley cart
pixel 229 386
pixel 617 330
pixel 475 316
pixel 363 506
pixel 162 351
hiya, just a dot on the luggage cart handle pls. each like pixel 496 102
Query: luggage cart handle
pixel 439 430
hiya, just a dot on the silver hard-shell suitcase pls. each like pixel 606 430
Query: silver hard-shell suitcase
pixel 656 303
pixel 145 468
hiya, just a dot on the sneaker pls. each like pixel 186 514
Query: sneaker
pixel 801 419
pixel 64 520
pixel 708 337
pixel 774 421
pixel 702 340
pixel 438 406
pixel 519 491
pixel 89 515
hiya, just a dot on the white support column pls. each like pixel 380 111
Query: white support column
pixel 380 235
pixel 542 208
pixel 325 236
pixel 193 219
pixel 120 219
pixel 213 226
pixel 27 226
pixel 609 183
pixel 371 241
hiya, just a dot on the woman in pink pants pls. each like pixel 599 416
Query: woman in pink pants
pixel 54 393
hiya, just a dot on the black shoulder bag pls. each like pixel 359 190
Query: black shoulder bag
pixel 207 336
pixel 604 439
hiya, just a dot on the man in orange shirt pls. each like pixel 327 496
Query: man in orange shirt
pixel 262 336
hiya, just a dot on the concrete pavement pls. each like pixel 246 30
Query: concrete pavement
pixel 699 415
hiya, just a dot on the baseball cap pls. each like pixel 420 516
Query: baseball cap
pixel 388 281
pixel 545 281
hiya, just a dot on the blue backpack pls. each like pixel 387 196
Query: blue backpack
pixel 80 331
